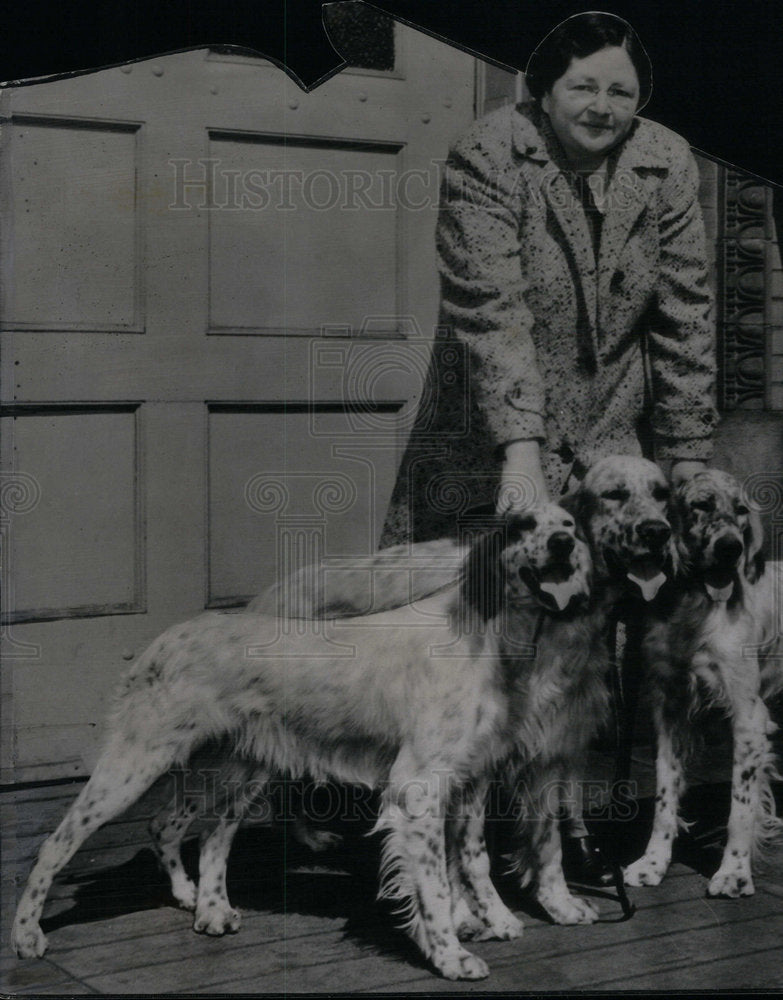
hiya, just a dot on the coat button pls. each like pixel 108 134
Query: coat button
pixel 617 280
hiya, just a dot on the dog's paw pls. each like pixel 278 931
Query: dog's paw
pixel 467 925
pixel 731 882
pixel 460 965
pixel 503 927
pixel 217 920
pixel 647 870
pixel 564 908
pixel 28 940
pixel 184 892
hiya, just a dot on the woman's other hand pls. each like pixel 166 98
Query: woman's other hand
pixel 522 483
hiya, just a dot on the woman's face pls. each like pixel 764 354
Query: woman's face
pixel 592 105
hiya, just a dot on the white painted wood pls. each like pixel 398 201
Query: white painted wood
pixel 152 346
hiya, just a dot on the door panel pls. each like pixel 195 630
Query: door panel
pixel 324 259
pixel 80 550
pixel 72 254
pixel 277 471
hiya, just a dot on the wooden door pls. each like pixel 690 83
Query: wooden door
pixel 213 288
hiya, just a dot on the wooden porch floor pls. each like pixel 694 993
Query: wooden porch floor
pixel 310 923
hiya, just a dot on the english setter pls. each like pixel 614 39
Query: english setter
pixel 715 638
pixel 622 505
pixel 425 703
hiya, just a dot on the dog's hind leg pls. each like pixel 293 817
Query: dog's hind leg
pixel 413 865
pixel 478 911
pixel 219 778
pixel 167 830
pixel 214 913
pixel 123 773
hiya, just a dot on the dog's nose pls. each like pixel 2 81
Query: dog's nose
pixel 727 549
pixel 561 544
pixel 654 534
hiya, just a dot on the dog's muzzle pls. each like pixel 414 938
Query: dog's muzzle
pixel 644 567
pixel 654 534
pixel 558 585
pixel 720 574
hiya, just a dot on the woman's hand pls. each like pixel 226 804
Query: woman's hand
pixel 684 470
pixel 522 483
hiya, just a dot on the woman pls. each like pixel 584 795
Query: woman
pixel 576 313
pixel 575 308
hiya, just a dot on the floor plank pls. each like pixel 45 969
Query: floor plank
pixel 310 923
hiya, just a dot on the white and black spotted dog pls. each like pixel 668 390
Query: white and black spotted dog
pixel 623 507
pixel 425 703
pixel 716 638
pixel 559 693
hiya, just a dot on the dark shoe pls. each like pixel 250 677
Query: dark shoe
pixel 583 862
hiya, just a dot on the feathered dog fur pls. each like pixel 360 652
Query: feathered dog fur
pixel 425 703
pixel 623 506
pixel 716 637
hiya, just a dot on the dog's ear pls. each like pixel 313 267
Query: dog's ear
pixel 753 537
pixel 483 581
pixel 570 502
pixel 581 504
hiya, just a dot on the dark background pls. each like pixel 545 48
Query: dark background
pixel 716 62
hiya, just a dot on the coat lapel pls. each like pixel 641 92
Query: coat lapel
pixel 545 168
pixel 635 178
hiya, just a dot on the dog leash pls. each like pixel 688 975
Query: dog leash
pixel 628 907
pixel 537 630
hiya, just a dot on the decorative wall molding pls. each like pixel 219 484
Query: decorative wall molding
pixel 745 249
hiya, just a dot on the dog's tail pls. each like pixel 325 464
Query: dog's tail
pixel 361 585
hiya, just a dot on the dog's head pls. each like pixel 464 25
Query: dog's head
pixel 721 535
pixel 623 506
pixel 535 557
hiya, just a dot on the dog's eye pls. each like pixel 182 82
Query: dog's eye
pixel 661 493
pixel 742 509
pixel 568 524
pixel 524 523
pixel 616 494
pixel 705 505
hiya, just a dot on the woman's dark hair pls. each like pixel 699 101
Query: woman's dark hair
pixel 580 36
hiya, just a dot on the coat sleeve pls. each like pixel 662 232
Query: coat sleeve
pixel 483 288
pixel 682 333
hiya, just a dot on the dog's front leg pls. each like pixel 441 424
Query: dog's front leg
pixel 651 867
pixel 750 724
pixel 478 911
pixel 413 865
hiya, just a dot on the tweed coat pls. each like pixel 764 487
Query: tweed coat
pixel 538 339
